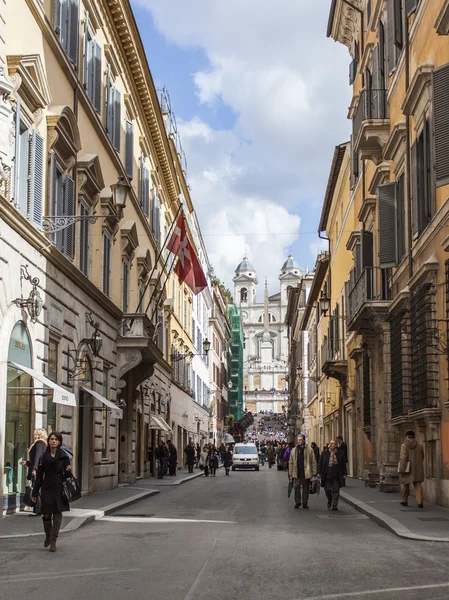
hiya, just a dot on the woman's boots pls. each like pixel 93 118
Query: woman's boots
pixel 57 520
pixel 47 528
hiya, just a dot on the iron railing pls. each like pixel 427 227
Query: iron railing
pixel 363 290
pixel 372 105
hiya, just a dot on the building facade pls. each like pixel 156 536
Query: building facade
pixel 90 184
pixel 396 302
pixel 266 342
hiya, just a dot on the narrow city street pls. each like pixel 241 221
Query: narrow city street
pixel 227 537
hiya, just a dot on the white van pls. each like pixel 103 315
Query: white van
pixel 245 456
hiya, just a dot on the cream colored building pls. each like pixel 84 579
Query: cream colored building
pixel 90 184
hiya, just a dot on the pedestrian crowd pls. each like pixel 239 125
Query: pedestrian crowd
pixel 206 458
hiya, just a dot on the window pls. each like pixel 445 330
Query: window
pixel 53 350
pixel 104 416
pixel 113 111
pixel 129 148
pixel 423 332
pixel 440 79
pixel 144 190
pixel 354 163
pixel 106 265
pixel 125 285
pixel 366 389
pixel 391 210
pixel 394 33
pixel 243 295
pixel 422 186
pixel 185 314
pixel 84 241
pixel 63 205
pixel 66 26
pixel 398 381
pixel 92 67
pixel 28 170
pixel 199 390
pixel 156 216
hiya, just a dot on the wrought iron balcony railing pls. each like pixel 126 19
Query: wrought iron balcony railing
pixel 372 105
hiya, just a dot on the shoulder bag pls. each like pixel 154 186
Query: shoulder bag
pixel 71 490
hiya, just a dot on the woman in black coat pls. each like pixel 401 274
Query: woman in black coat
pixel 54 468
pixel 227 459
pixel 35 453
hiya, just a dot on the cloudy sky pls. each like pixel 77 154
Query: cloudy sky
pixel 260 96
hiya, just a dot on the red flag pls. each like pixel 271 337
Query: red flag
pixel 188 267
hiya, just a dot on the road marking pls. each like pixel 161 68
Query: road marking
pixel 58 575
pixel 191 592
pixel 377 592
pixel 161 520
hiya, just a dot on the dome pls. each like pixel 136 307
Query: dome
pixel 290 263
pixel 245 265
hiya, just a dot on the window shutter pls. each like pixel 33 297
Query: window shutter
pixel 108 103
pixel 352 71
pixel 106 263
pixel 358 261
pixel 117 119
pixel 386 203
pixel 376 95
pixel 86 66
pixel 410 6
pixel 69 249
pixel 441 123
pixel 97 77
pixel 17 158
pixel 129 147
pixel 400 217
pixel 397 7
pixel 366 248
pixel 73 31
pixel 36 177
pixel 391 48
pixel 145 177
pixel 414 186
pixel 84 240
pixel 57 9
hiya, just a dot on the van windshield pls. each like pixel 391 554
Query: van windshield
pixel 245 450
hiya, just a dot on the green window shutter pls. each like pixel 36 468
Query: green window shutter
pixel 73 30
pixel 386 206
pixel 441 124
pixel 69 240
pixel 36 178
pixel 129 148
pixel 97 77
pixel 116 120
pixel 414 186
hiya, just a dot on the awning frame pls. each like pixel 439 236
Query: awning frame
pixel 116 412
pixel 60 395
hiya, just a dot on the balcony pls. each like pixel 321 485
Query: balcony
pixel 137 349
pixel 368 300
pixel 331 365
pixel 371 125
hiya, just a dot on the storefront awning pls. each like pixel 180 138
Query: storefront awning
pixel 228 439
pixel 60 395
pixel 159 424
pixel 116 412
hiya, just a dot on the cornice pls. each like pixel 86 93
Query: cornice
pixel 382 171
pixel 369 203
pixel 40 242
pixel 345 23
pixel 422 78
pixel 395 141
pixel 442 22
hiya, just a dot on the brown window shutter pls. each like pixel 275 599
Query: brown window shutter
pixel 386 206
pixel 441 124
pixel 414 186
pixel 366 245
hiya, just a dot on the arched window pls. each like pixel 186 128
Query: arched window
pixel 243 295
pixel 271 318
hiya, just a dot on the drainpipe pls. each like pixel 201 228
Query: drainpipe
pixel 408 147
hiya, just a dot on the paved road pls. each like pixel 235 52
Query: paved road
pixel 264 549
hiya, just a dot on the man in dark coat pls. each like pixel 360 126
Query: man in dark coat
pixel 172 458
pixel 332 471
pixel 162 458
pixel 227 459
pixel 341 444
pixel 189 451
pixel 317 451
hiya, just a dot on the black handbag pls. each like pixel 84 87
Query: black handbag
pixel 27 497
pixel 71 490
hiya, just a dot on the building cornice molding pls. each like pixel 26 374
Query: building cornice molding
pixel 421 80
pixel 344 22
pixel 442 22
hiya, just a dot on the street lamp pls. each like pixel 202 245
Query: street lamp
pixel 120 192
pixel 33 304
pixel 324 303
pixel 190 355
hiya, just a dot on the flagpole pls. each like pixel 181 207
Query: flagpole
pixel 158 280
pixel 158 258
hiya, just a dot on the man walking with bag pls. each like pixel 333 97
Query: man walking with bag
pixel 332 473
pixel 301 468
pixel 411 469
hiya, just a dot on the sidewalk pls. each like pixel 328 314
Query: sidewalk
pixel 430 524
pixel 92 506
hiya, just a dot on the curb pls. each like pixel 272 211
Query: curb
pixel 78 522
pixel 389 523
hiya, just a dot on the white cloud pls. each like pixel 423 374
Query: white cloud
pixel 271 63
